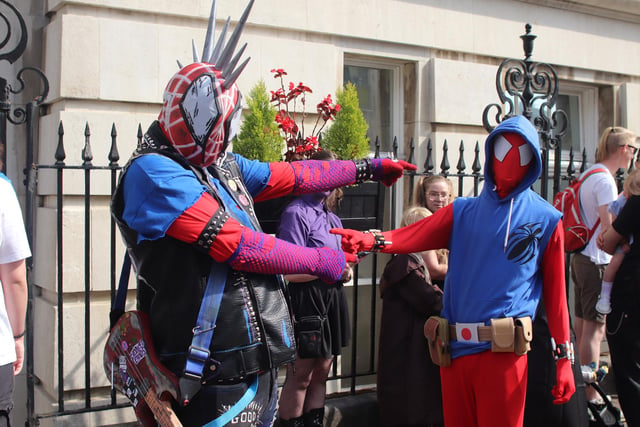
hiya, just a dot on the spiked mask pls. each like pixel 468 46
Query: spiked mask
pixel 202 106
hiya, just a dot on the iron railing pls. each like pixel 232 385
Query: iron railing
pixel 361 357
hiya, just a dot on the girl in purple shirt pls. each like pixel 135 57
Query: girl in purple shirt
pixel 321 318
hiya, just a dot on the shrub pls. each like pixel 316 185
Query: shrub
pixel 347 137
pixel 259 136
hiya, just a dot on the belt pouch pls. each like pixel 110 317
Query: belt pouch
pixel 524 335
pixel 436 330
pixel 308 331
pixel 502 335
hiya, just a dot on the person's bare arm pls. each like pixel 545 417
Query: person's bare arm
pixel 436 270
pixel 14 287
pixel 609 240
pixel 605 217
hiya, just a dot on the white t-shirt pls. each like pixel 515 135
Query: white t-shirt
pixel 597 190
pixel 14 246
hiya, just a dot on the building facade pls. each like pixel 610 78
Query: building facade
pixel 425 70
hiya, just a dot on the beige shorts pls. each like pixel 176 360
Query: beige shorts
pixel 587 280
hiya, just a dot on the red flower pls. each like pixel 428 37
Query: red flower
pixel 278 72
pixel 297 144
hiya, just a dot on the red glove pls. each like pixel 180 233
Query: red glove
pixel 389 171
pixel 354 241
pixel 565 385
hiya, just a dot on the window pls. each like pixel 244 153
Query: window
pixel 379 85
pixel 580 104
pixel 380 99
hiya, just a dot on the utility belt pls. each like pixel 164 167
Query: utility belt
pixel 506 335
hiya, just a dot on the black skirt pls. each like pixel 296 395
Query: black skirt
pixel 317 298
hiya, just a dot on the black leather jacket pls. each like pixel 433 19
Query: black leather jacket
pixel 253 330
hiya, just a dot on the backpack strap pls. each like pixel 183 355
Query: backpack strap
pixel 588 174
pixel 584 178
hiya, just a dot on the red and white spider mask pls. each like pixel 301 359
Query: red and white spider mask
pixel 511 159
pixel 199 115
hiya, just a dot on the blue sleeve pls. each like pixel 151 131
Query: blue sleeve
pixel 156 191
pixel 256 174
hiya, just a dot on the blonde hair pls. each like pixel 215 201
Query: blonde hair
pixel 611 139
pixel 414 214
pixel 632 183
pixel 420 192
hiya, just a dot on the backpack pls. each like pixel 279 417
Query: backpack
pixel 567 201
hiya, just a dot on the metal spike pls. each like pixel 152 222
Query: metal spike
pixel 60 154
pixel 444 164
pixel 428 162
pixel 234 76
pixel 233 41
pixel 179 63
pixel 412 147
pixel 476 167
pixel 194 50
pixel 461 166
pixel 232 64
pixel 139 135
pixel 215 55
pixel 87 155
pixel 209 39
pixel 114 156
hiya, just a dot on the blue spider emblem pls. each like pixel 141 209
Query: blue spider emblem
pixel 523 243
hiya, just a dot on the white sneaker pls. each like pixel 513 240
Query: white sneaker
pixel 604 305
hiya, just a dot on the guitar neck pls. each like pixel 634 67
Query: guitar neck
pixel 161 411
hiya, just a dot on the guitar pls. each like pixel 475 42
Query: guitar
pixel 134 369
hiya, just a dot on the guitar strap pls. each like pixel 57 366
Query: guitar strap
pixel 117 309
pixel 198 353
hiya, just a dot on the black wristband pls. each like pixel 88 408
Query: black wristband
pixel 364 170
pixel 562 351
pixel 15 337
pixel 379 241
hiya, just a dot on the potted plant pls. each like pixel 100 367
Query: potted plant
pixel 292 123
pixel 347 137
pixel 259 137
pixel 275 121
pixel 286 115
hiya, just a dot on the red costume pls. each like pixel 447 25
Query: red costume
pixel 506 252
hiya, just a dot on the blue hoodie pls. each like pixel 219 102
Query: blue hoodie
pixel 497 246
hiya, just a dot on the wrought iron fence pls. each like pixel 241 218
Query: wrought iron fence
pixel 357 367
pixel 353 371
